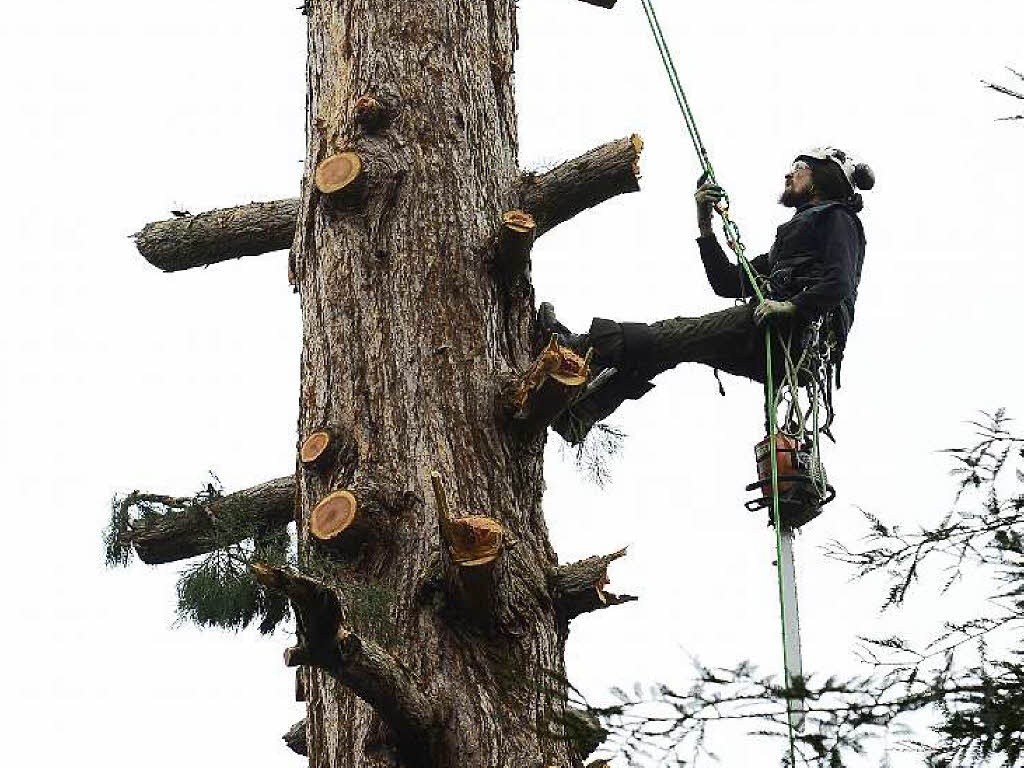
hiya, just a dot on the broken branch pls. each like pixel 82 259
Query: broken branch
pixel 474 545
pixel 555 379
pixel 579 587
pixel 226 233
pixel 575 185
pixel 189 528
pixel 472 541
pixel 366 668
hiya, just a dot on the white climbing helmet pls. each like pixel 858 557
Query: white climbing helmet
pixel 858 175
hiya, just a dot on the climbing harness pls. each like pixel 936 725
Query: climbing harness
pixel 791 477
pixel 803 487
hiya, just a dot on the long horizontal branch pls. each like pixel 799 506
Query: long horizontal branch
pixel 202 239
pixel 367 669
pixel 199 240
pixel 188 528
pixel 580 587
pixel 575 185
pixel 601 3
pixel 227 233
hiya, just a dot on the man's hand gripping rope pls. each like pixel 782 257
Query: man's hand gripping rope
pixel 710 197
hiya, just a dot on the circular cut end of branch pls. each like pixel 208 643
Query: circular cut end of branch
pixel 332 515
pixel 314 447
pixel 519 221
pixel 337 172
pixel 475 540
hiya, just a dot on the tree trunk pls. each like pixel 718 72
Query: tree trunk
pixel 409 330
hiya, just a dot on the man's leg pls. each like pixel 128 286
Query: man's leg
pixel 728 340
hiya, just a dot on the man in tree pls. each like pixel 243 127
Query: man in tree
pixel 812 271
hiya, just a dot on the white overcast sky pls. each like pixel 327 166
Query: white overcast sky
pixel 118 377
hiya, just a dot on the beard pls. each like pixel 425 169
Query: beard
pixel 792 199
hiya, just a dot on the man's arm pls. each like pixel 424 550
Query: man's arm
pixel 727 279
pixel 840 249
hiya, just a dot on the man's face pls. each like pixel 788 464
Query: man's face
pixel 798 185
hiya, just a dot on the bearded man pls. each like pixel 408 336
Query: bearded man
pixel 812 271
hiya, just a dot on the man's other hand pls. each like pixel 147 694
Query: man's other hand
pixel 770 310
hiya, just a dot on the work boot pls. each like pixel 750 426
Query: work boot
pixel 614 375
pixel 603 394
pixel 548 324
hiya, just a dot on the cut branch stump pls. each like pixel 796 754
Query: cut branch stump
pixel 555 379
pixel 515 241
pixel 338 172
pixel 580 587
pixel 318 449
pixel 335 514
pixel 474 545
pixel 373 113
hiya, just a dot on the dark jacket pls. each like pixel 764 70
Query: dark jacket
pixel 815 262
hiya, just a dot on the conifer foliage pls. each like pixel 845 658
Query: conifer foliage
pixel 968 680
pixel 1007 91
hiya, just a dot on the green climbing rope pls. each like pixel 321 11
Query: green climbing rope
pixel 735 242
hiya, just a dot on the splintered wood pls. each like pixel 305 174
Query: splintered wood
pixel 556 363
pixel 475 540
pixel 471 541
pixel 333 515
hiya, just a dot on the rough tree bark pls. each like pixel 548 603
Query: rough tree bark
pixel 407 336
pixel 433 635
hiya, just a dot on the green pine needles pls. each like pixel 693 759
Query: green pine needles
pixel 968 679
pixel 218 588
pixel 220 591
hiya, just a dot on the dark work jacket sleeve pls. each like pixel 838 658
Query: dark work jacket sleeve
pixel 727 279
pixel 839 239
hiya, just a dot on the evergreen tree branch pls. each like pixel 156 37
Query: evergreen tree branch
pixel 164 529
pixel 977 700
